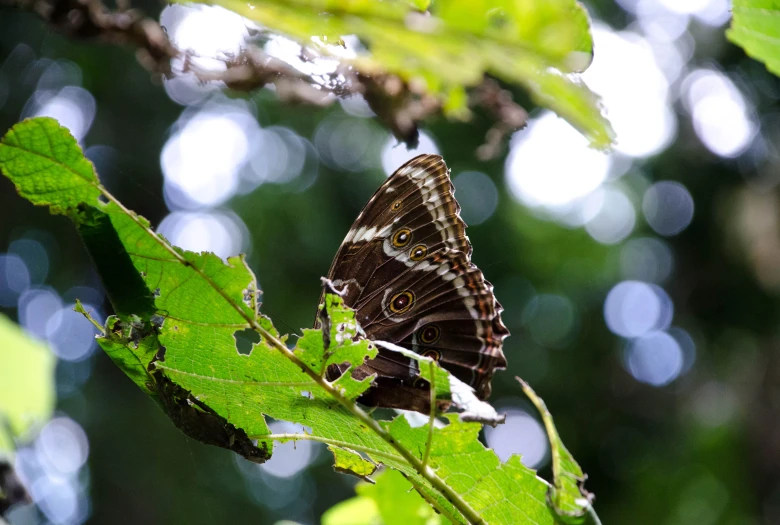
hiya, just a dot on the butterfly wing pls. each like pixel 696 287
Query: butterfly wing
pixel 406 268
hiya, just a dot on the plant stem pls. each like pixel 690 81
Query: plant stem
pixel 431 417
pixel 295 436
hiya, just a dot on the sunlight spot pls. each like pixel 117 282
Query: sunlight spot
pixel 722 116
pixel 520 434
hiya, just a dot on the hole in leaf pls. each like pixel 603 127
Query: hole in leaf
pixel 245 340
pixel 252 296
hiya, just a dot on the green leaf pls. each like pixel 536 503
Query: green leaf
pixel 756 28
pixel 177 313
pixel 531 44
pixel 335 344
pixel 49 167
pixel 398 504
pixel 26 384
pixel 498 492
pixel 390 501
pixel 350 462
pixel 354 511
pixel 568 495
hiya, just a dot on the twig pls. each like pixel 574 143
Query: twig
pixel 93 20
pixel 400 105
pixel 509 116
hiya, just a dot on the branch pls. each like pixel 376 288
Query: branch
pixel 90 19
pixel 400 105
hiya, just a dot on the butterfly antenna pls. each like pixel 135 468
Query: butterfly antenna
pixel 279 321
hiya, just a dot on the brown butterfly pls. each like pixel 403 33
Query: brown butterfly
pixel 405 268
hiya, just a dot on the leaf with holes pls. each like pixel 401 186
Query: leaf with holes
pixel 177 318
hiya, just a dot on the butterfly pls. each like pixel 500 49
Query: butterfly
pixel 405 268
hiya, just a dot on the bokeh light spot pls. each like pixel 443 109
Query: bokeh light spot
pixel 394 153
pixel 615 219
pixel 278 156
pixel 202 158
pixel 71 335
pixel 646 259
pixel 289 458
pixel 654 358
pixel 348 143
pixel 72 106
pixel 520 434
pixel 721 116
pixel 551 319
pixel 63 445
pixel 207 32
pixel 219 232
pixel 668 207
pixel 35 257
pixel 538 175
pixel 477 196
pixel 37 306
pixel 634 308
pixel 14 279
pixel 636 99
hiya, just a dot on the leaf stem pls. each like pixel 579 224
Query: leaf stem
pixel 432 416
pixel 432 502
pixel 296 436
pixel 424 470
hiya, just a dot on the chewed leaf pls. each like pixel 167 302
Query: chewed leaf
pixel 337 343
pixel 350 462
pixel 497 492
pixel 567 494
pixel 132 346
pixel 174 336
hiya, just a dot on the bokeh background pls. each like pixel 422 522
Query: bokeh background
pixel 641 287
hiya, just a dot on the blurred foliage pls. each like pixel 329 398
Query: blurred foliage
pixel 756 27
pixel 27 394
pixel 702 449
pixel 27 398
pixel 390 501
pixel 452 47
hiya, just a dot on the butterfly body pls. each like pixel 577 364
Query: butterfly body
pixel 405 268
